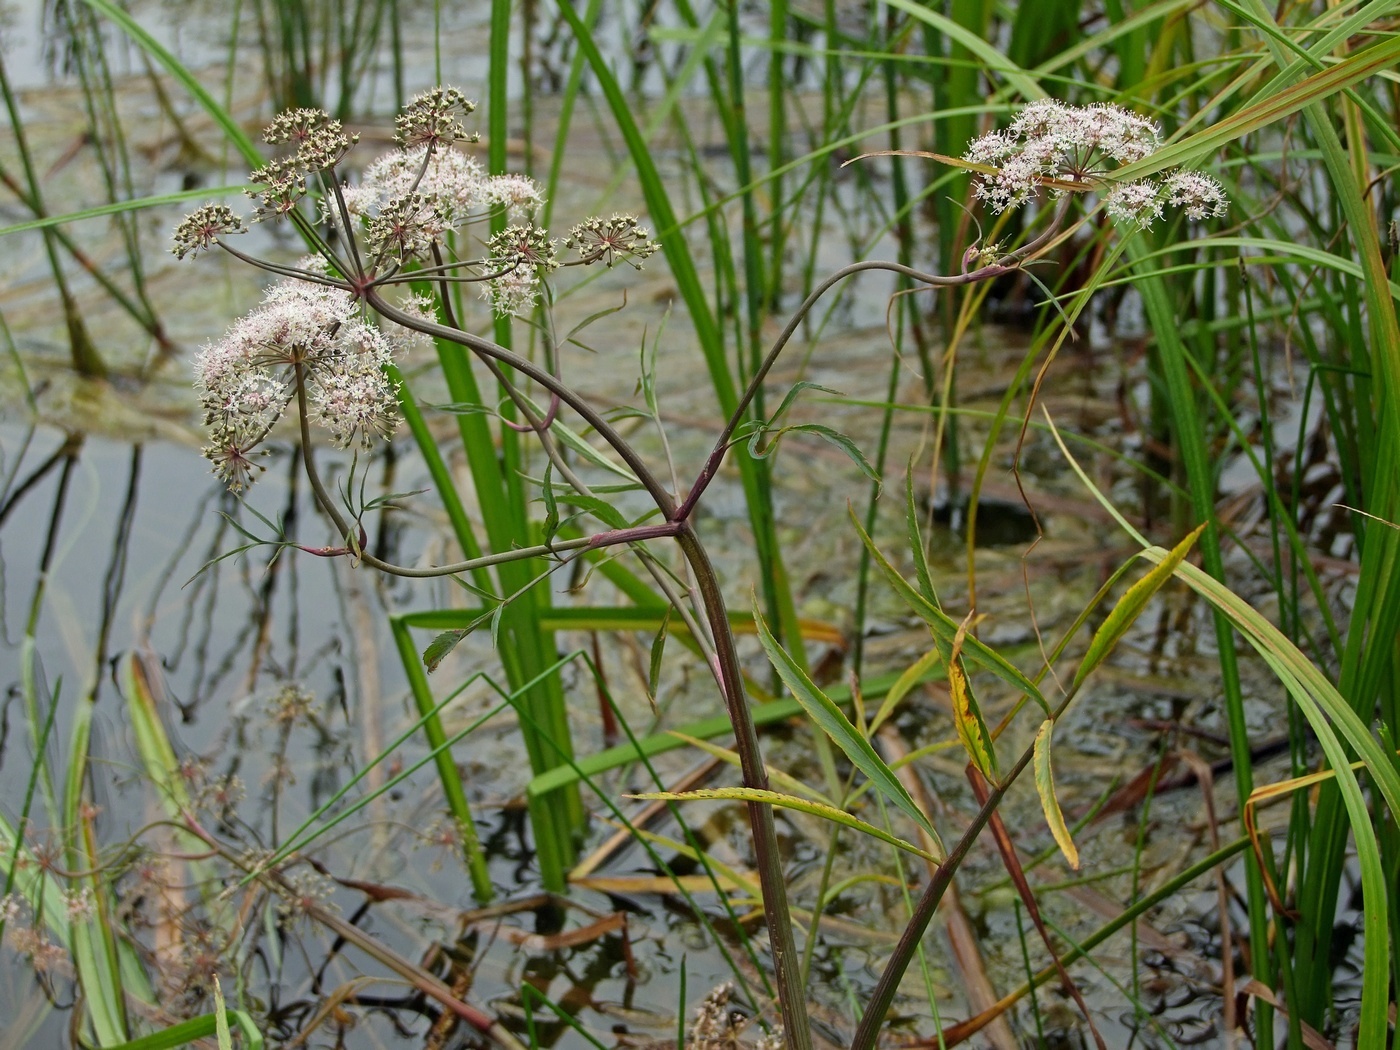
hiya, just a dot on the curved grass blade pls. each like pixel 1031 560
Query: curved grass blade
pixel 188 80
pixel 120 207
pixel 777 798
pixel 945 628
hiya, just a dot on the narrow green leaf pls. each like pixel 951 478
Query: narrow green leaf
pixel 802 805
pixel 201 1027
pixel 1130 606
pixel 230 127
pixel 122 206
pixel 836 438
pixel 830 718
pixel 658 653
pixel 915 539
pixel 945 628
pixel 1045 787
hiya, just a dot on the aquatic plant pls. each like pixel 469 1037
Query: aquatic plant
pixel 401 226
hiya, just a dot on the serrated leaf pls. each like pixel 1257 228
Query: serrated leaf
pixel 1045 787
pixel 440 646
pixel 967 716
pixel 838 439
pixel 791 396
pixel 945 628
pixel 1130 606
pixel 832 721
pixel 802 805
pixel 842 442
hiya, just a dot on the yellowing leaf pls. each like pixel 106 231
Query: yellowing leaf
pixel 967 716
pixel 1045 787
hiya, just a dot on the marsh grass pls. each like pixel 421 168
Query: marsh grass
pixel 1294 292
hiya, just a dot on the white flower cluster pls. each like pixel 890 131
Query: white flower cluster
pixel 1077 148
pixel 244 380
pixel 454 182
pixel 409 199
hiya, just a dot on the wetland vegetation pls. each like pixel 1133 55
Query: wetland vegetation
pixel 785 525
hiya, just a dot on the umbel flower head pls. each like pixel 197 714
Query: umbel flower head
pixel 245 381
pixel 1072 148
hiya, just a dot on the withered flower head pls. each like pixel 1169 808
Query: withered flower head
pixel 320 141
pixel 284 185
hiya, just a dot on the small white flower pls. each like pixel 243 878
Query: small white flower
pixel 1135 203
pixel 1050 144
pixel 1200 196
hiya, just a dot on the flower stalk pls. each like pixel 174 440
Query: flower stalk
pixel 311 344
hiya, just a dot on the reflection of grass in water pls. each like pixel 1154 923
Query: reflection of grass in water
pixel 1213 326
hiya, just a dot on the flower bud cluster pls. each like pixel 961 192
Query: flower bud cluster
pixel 202 228
pixel 433 118
pixel 619 239
pixel 1078 148
pixel 319 144
pixel 244 381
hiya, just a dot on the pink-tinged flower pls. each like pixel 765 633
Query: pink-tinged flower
pixel 1065 148
pixel 246 380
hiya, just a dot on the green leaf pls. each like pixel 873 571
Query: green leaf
pixel 823 710
pixel 230 127
pixel 945 628
pixel 1130 606
pixel 837 438
pixel 202 1027
pixel 440 646
pixel 658 653
pixel 802 805
pixel 1045 787
pixel 122 206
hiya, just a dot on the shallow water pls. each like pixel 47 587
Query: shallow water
pixel 131 515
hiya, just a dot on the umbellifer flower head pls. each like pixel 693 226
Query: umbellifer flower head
pixel 619 239
pixel 203 227
pixel 320 141
pixel 246 380
pixel 518 257
pixel 1078 148
pixel 433 119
